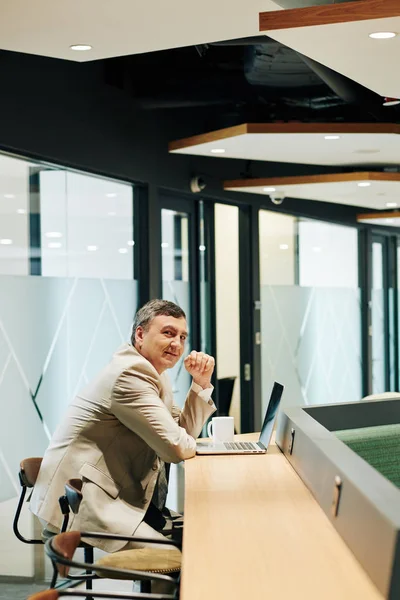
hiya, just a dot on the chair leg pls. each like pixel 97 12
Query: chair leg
pixel 89 558
pixel 54 576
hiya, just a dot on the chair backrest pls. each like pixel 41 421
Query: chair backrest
pixel 29 470
pixel 73 493
pixel 225 391
pixel 28 473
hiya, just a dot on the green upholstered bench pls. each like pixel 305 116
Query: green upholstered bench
pixel 379 446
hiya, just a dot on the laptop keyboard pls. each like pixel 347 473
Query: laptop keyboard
pixel 240 446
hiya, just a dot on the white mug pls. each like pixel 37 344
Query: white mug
pixel 221 429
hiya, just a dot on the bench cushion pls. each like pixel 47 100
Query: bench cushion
pixel 379 446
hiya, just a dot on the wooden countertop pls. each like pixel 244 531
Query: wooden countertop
pixel 253 529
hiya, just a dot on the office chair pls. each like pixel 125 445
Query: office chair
pixel 142 560
pixel 148 567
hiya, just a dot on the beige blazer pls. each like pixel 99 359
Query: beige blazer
pixel 113 436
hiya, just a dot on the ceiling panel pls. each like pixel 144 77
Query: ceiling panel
pixel 122 27
pixel 345 46
pixel 369 190
pixel 357 144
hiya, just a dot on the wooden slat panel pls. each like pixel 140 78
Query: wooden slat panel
pixel 328 14
pixel 291 127
pixel 308 179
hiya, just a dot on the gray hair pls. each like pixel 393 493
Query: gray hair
pixel 152 309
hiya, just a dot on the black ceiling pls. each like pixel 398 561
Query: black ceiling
pixel 254 79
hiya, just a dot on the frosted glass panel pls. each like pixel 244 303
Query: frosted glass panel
pixel 311 342
pixel 55 334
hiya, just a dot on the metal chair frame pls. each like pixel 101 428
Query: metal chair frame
pixel 56 559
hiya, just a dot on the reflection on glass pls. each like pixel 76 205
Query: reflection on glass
pixel 378 320
pixel 310 332
pixel 175 284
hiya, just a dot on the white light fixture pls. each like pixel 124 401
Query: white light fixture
pixel 131 243
pixel 54 245
pixel 364 184
pixel 382 35
pixel 391 204
pixel 218 150
pixel 269 189
pixel 9 196
pixel 53 234
pixel 92 248
pixel 80 47
pixel 332 137
pixel 112 214
pixel 21 211
pixel 164 245
pixel 202 248
pixel 6 242
pixel 123 250
pixel 316 249
pixel 283 247
pixel 111 195
pixel 390 101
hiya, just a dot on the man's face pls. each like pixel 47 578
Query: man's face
pixel 163 342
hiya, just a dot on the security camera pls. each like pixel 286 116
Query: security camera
pixel 277 197
pixel 197 184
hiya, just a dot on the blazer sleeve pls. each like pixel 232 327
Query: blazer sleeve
pixel 197 409
pixel 136 402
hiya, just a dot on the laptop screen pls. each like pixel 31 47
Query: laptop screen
pixel 273 405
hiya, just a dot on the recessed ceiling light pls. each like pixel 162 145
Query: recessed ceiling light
pixel 164 245
pixel 123 250
pixel 131 243
pixel 92 248
pixel 6 242
pixel 382 35
pixel 80 47
pixel 332 137
pixel 112 214
pixel 202 248
pixel 269 189
pixel 364 184
pixel 111 195
pixel 21 211
pixel 391 204
pixel 283 246
pixel 53 234
pixel 9 196
pixel 218 150
pixel 54 245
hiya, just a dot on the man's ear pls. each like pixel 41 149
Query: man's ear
pixel 139 335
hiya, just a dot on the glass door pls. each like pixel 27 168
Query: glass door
pixel 379 331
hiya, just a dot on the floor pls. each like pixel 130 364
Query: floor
pixel 21 591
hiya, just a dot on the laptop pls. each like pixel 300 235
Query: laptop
pixel 244 447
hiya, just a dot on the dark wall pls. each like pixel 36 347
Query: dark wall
pixel 63 112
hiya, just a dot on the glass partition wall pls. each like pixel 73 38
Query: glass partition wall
pixel 310 334
pixel 68 293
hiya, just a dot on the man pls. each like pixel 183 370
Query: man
pixel 118 431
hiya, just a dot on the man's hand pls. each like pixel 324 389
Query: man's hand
pixel 200 366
